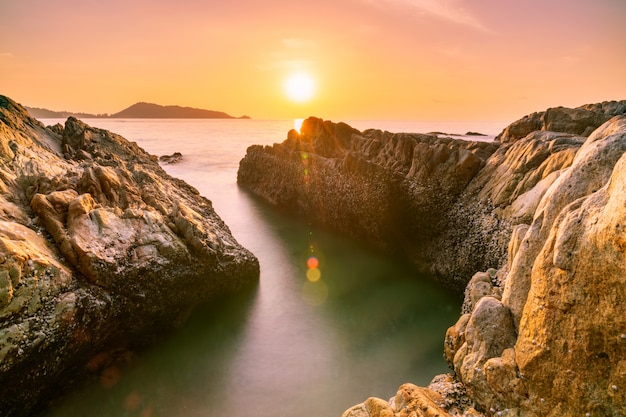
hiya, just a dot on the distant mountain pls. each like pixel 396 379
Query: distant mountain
pixel 139 111
pixel 156 111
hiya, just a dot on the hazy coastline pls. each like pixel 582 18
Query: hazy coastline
pixel 141 110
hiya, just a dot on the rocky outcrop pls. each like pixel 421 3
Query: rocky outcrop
pixel 502 196
pixel 546 334
pixel 174 158
pixel 543 330
pixel 100 250
pixel 448 205
pixel 388 190
pixel 580 121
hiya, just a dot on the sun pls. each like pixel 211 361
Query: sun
pixel 300 87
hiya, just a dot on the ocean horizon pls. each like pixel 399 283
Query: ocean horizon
pixel 452 127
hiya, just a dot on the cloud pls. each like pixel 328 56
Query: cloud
pixel 6 55
pixel 448 10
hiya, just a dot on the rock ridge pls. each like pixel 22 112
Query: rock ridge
pixel 580 120
pixel 386 189
pixel 100 249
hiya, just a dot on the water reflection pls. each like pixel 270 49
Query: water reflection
pixel 180 377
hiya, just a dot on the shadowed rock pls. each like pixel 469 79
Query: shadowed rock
pixel 389 190
pixel 450 206
pixel 174 158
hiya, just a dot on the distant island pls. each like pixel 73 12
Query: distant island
pixel 139 111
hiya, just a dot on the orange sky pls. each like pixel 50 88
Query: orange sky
pixel 371 59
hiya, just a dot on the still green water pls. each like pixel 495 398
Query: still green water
pixel 295 345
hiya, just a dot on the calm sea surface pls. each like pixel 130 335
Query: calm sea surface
pixel 289 347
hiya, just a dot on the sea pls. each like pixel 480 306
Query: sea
pixel 285 348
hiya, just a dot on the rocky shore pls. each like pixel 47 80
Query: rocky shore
pixel 541 211
pixel 389 190
pixel 100 252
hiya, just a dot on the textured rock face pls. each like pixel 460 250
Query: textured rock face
pixel 99 249
pixel 503 195
pixel 543 333
pixel 565 291
pixel 449 206
pixel 546 335
pixel 389 190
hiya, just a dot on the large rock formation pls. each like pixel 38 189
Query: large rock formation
pixel 448 205
pixel 501 197
pixel 546 335
pixel 542 334
pixel 551 341
pixel 99 251
pixel 389 190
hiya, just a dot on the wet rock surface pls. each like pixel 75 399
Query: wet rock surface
pixel 100 251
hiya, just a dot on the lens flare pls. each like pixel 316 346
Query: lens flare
pixel 313 274
pixel 312 262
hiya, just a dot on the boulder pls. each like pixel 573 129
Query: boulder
pixel 174 158
pixel 574 313
pixel 562 313
pixel 443 397
pixel 100 252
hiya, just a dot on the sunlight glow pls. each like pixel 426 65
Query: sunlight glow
pixel 300 87
pixel 297 124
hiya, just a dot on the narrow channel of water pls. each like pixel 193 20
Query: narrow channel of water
pixel 295 345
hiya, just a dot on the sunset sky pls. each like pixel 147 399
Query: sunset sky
pixel 368 59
